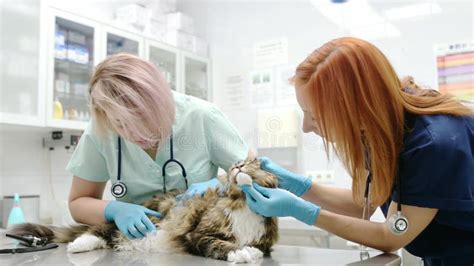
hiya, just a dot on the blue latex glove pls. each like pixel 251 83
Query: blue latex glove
pixel 271 202
pixel 198 189
pixel 130 219
pixel 296 184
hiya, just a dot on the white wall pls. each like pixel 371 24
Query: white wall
pixel 28 169
pixel 232 28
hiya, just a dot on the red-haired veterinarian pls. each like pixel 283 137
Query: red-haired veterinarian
pixel 411 153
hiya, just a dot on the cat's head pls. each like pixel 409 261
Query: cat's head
pixel 252 169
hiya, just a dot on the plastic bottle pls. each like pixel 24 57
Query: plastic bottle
pixel 73 114
pixel 16 214
pixel 58 110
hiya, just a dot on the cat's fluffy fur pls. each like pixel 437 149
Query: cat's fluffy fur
pixel 218 225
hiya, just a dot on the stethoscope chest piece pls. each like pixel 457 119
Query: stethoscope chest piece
pixel 119 189
pixel 398 224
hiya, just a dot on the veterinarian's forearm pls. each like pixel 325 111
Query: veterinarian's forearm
pixel 370 234
pixel 337 200
pixel 88 210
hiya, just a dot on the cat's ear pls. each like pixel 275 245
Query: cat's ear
pixel 223 179
pixel 257 162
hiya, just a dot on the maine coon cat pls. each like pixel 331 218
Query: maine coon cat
pixel 217 225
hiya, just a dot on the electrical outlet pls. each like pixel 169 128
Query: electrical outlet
pixel 60 139
pixel 326 176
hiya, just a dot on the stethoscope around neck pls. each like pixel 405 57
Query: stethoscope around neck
pixel 119 189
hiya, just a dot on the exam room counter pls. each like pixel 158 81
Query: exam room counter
pixel 281 255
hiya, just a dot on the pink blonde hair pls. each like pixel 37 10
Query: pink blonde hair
pixel 131 97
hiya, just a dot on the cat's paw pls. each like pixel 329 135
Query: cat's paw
pixel 244 255
pixel 86 242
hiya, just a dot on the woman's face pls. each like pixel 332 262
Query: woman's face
pixel 309 121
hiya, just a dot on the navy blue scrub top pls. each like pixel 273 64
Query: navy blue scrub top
pixel 437 171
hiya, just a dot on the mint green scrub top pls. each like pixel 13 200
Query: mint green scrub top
pixel 203 140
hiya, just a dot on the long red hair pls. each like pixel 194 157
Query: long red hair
pixel 358 104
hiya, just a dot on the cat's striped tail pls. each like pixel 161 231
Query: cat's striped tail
pixel 53 233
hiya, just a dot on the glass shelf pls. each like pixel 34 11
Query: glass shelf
pixel 118 44
pixel 196 78
pixel 61 65
pixel 73 68
pixel 166 62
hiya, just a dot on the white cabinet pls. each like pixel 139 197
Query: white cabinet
pixel 21 97
pixel 185 72
pixel 72 54
pixel 48 58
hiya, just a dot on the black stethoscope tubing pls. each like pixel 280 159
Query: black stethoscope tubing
pixel 170 160
pixel 119 189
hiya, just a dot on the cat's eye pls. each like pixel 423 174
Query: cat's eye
pixel 238 164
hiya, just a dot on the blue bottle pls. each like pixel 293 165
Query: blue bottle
pixel 16 214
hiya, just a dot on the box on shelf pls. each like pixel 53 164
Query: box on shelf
pixel 76 37
pixel 187 41
pixel 77 53
pixel 133 14
pixel 180 21
pixel 156 30
pixel 159 7
pixel 180 39
pixel 80 89
pixel 60 51
pixel 201 47
pixel 60 37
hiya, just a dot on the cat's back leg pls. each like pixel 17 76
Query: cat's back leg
pixel 97 237
pixel 245 254
pixel 86 242
pixel 216 248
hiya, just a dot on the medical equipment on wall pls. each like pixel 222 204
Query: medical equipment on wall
pixel 119 189
pixel 277 128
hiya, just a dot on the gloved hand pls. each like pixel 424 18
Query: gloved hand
pixel 296 184
pixel 198 189
pixel 271 202
pixel 130 219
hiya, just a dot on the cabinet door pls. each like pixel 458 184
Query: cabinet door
pixel 166 59
pixel 122 42
pixel 20 92
pixel 73 58
pixel 196 77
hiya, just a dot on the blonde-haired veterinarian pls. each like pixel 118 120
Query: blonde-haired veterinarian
pixel 136 119
pixel 416 147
